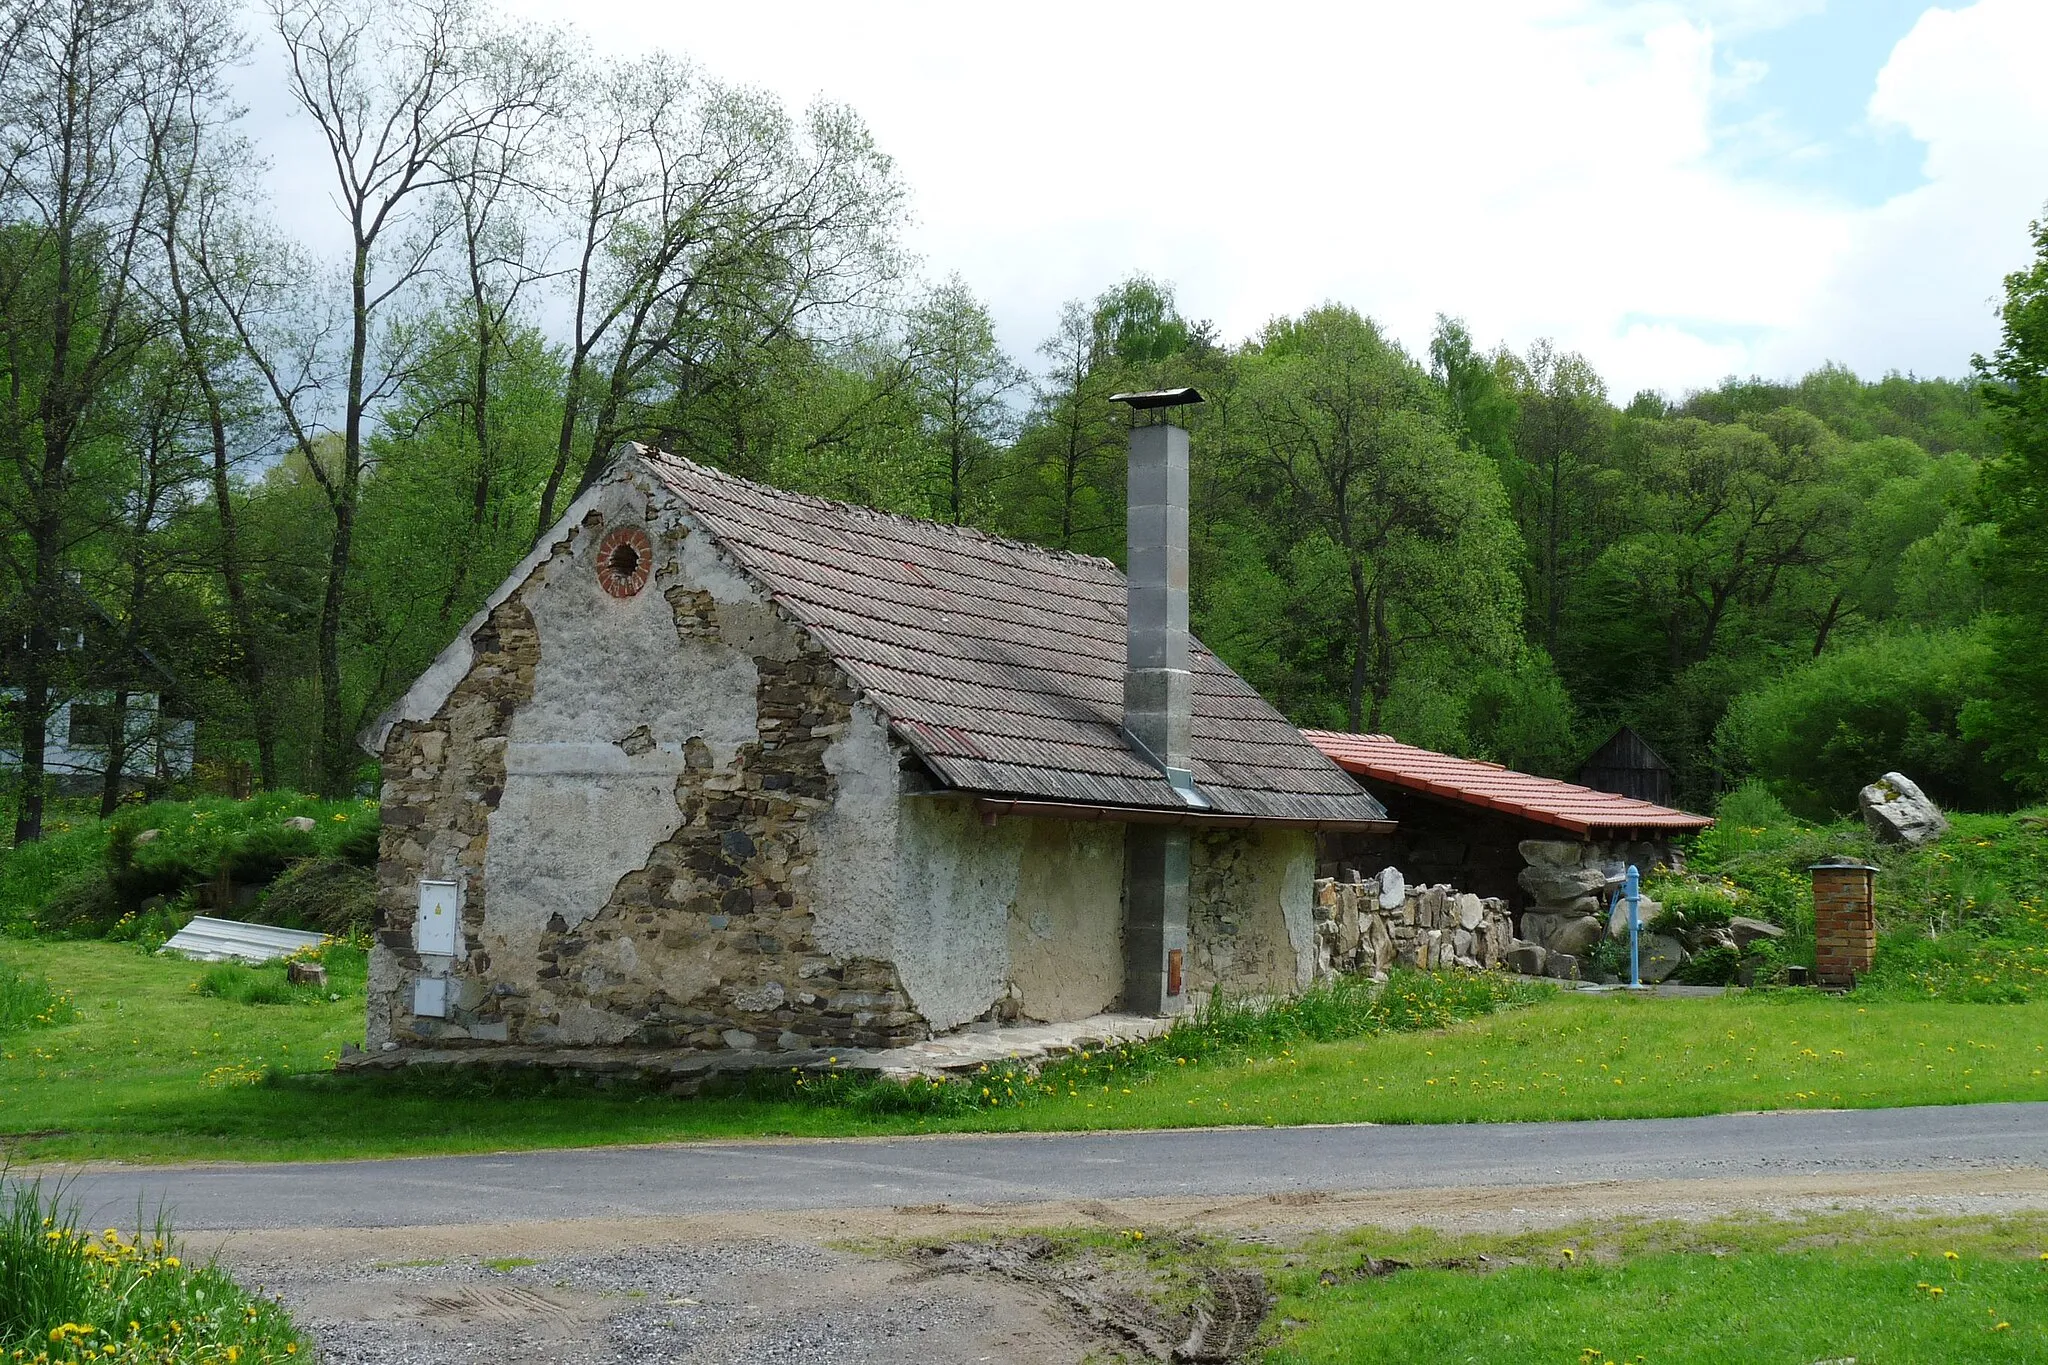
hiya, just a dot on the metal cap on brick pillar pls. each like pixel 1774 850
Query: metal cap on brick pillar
pixel 1158 701
pixel 1844 921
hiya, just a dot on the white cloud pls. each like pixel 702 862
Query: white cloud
pixel 1542 169
pixel 1915 284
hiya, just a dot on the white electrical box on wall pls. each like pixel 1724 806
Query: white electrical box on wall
pixel 438 929
pixel 430 997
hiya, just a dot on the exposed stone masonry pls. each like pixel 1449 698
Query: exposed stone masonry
pixel 442 781
pixel 726 891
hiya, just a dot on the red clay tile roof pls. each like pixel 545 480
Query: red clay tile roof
pixel 1001 664
pixel 1489 786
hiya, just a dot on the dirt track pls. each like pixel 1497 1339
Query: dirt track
pixel 774 1286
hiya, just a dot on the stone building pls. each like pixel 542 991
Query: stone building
pixel 724 767
pixel 1553 851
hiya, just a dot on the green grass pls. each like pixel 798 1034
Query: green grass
pixel 70 1295
pixel 150 1069
pixel 1824 1288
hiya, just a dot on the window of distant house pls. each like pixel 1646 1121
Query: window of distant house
pixel 92 725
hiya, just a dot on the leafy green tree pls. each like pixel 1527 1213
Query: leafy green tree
pixel 1068 453
pixel 395 91
pixel 962 381
pixel 1560 441
pixel 1891 701
pixel 1399 534
pixel 87 89
pixel 1479 389
pixel 1520 714
pixel 714 238
pixel 2012 719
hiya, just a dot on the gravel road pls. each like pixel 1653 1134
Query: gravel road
pixel 643 1182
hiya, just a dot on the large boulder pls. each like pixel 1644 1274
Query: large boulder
pixel 1572 934
pixel 1526 958
pixel 1647 913
pixel 1747 931
pixel 1658 956
pixel 1551 852
pixel 1550 885
pixel 1898 812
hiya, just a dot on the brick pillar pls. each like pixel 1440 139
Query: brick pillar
pixel 1844 922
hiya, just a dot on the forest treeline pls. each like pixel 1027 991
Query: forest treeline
pixel 273 481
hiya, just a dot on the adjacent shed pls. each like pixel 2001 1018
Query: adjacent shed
pixel 1627 766
pixel 1547 847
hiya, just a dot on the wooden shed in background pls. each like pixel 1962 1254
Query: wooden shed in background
pixel 1627 766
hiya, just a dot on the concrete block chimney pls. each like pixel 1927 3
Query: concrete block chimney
pixel 1158 705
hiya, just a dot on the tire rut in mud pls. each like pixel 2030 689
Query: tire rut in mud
pixel 1123 1303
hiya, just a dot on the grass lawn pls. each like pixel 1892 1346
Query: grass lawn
pixel 146 1068
pixel 1881 1291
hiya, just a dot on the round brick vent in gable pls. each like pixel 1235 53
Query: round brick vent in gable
pixel 624 558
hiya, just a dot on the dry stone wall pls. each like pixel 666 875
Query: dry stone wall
pixel 1428 928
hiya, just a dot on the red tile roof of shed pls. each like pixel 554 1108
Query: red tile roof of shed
pixel 1489 786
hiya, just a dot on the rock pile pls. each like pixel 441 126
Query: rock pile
pixel 1372 925
pixel 1568 894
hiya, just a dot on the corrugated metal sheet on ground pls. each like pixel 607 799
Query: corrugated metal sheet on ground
pixel 207 939
pixel 1002 663
pixel 1489 786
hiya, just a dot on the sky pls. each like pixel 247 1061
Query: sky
pixel 1679 189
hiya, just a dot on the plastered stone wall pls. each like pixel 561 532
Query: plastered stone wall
pixel 1250 921
pixel 1065 925
pixel 626 789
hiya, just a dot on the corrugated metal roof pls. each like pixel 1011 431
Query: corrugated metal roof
pixel 1489 786
pixel 1002 663
pixel 216 940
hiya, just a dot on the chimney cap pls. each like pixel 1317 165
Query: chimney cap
pixel 1158 398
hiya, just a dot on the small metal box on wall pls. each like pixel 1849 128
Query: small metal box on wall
pixel 436 936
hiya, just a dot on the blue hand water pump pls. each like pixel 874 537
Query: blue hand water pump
pixel 1631 887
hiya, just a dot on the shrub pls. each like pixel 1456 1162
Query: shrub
pixel 262 854
pixel 359 844
pixel 83 906
pixel 27 1001
pixel 196 844
pixel 1715 966
pixel 1692 909
pixel 1606 960
pixel 1893 701
pixel 328 895
pixel 69 1296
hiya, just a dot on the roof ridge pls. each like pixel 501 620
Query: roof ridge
pixel 969 533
